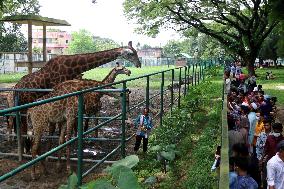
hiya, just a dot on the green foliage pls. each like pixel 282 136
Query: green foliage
pixel 212 72
pixel 99 184
pixel 188 137
pixel 11 38
pixel 82 42
pixel 72 182
pixel 122 177
pixel 239 26
pixel 102 44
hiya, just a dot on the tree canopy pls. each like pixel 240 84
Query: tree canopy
pixel 239 25
pixel 84 42
pixel 11 39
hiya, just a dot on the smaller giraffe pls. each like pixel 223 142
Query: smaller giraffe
pixel 64 111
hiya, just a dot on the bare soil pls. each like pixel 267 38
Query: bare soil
pixel 93 150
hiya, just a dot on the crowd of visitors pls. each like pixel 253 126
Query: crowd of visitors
pixel 256 143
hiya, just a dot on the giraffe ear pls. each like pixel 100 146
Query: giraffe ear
pixel 130 44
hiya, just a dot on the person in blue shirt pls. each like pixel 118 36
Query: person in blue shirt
pixel 144 124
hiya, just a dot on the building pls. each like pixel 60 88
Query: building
pixel 150 53
pixel 56 41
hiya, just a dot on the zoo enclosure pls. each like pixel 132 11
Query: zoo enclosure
pixel 189 75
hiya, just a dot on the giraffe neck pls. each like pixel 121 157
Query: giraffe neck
pixel 110 77
pixel 93 60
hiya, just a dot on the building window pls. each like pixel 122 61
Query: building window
pixel 67 41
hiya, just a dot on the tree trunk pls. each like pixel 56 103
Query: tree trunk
pixel 249 61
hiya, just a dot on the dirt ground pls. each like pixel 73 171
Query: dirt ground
pixel 92 150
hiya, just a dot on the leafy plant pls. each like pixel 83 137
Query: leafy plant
pixel 122 177
pixel 168 153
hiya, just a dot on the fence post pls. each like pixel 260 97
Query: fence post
pixel 195 78
pixel 147 92
pixel 188 78
pixel 179 88
pixel 123 117
pixel 80 138
pixel 193 74
pixel 162 100
pixel 185 81
pixel 19 130
pixel 172 90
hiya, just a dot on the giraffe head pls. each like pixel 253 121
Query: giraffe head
pixel 122 70
pixel 130 54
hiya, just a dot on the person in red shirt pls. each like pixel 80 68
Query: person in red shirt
pixel 272 140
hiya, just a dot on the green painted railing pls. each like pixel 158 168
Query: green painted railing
pixel 183 71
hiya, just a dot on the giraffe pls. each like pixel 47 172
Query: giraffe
pixel 63 68
pixel 64 111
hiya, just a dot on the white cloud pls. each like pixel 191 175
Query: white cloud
pixel 104 18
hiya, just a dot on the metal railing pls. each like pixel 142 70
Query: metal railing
pixel 182 71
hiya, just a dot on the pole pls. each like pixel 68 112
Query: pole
pixel 19 130
pixel 147 92
pixel 179 87
pixel 162 100
pixel 185 81
pixel 123 103
pixel 172 90
pixel 80 138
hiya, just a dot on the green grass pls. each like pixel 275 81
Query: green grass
pixel 11 77
pixel 270 86
pixel 100 73
pixel 195 129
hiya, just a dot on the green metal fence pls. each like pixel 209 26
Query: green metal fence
pixel 191 74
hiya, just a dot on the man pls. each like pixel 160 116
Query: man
pixel 244 181
pixel 272 140
pixel 275 166
pixel 144 125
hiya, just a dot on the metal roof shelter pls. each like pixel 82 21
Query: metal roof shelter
pixel 37 21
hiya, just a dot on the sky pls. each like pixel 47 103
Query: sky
pixel 104 18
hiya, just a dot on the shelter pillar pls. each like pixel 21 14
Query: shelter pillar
pixel 44 43
pixel 30 47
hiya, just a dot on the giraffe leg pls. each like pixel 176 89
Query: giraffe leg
pixel 10 124
pixel 70 123
pixel 35 148
pixel 61 141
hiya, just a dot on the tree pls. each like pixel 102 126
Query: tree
pixel 11 38
pixel 104 43
pixel 82 42
pixel 239 25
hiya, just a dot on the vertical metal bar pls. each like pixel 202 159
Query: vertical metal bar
pixel 123 117
pixel 198 74
pixel 172 90
pixel 147 92
pixel 19 130
pixel 162 100
pixel 193 74
pixel 200 71
pixel 185 81
pixel 188 78
pixel 179 87
pixel 80 138
pixel 195 78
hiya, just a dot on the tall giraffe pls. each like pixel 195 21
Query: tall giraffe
pixel 64 111
pixel 63 68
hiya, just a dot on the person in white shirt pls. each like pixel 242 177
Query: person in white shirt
pixel 275 169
